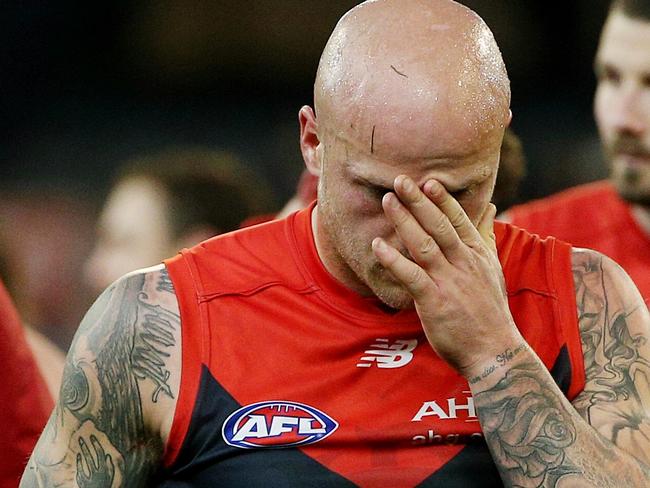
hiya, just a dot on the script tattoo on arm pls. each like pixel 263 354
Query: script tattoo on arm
pixel 536 437
pixel 99 435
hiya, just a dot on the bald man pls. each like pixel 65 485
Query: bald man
pixel 393 334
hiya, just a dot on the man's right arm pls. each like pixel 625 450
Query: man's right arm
pixel 119 390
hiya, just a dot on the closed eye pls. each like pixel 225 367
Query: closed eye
pixel 464 192
pixel 457 195
pixel 375 191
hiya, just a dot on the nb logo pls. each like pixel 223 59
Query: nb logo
pixel 387 355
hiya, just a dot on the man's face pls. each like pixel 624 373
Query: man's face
pixel 352 185
pixel 622 104
pixel 133 232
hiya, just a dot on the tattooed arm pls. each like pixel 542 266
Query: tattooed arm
pixel 119 390
pixel 537 438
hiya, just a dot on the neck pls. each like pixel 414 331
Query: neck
pixel 641 214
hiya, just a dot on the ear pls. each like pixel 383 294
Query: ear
pixel 309 141
pixel 509 118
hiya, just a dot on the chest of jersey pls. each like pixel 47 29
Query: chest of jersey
pixel 296 392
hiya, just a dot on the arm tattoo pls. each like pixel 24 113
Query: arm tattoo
pixel 120 351
pixel 165 282
pixel 98 466
pixel 535 436
pixel 500 361
pixel 527 428
pixel 151 341
pixel 613 363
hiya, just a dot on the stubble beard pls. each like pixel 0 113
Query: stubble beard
pixel 630 186
pixel 631 182
pixel 355 255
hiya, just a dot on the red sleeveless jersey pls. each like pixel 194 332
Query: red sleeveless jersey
pixel 23 393
pixel 290 379
pixel 595 217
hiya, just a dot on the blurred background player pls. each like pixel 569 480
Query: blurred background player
pixel 164 202
pixel 512 170
pixel 47 355
pixel 26 402
pixel 612 216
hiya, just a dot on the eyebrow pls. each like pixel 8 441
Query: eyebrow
pixel 373 182
pixel 379 183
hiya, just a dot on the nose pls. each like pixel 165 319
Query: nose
pixel 625 111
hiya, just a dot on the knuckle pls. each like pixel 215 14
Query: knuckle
pixel 400 217
pixel 457 218
pixel 414 277
pixel 400 221
pixel 440 227
pixel 417 200
pixel 428 246
pixel 473 266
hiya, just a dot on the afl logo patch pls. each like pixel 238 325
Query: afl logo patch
pixel 276 424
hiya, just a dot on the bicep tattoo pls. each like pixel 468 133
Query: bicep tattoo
pixel 119 355
pixel 614 400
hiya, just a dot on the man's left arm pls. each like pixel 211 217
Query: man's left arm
pixel 536 436
pixel 532 430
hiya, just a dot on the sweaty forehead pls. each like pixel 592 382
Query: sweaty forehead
pixel 412 78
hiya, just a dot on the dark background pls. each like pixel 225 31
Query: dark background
pixel 85 85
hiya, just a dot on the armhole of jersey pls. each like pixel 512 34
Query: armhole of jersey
pixel 566 312
pixel 182 275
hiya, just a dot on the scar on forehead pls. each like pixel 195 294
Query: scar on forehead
pixel 372 140
pixel 398 72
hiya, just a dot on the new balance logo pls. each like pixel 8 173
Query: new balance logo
pixel 387 355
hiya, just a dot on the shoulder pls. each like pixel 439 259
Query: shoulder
pixel 602 276
pixel 608 300
pixel 142 309
pixel 568 200
pixel 241 261
pixel 119 388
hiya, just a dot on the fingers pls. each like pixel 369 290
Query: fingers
pixel 409 274
pixel 453 211
pixel 86 452
pixel 110 467
pixel 99 450
pixel 421 246
pixel 81 472
pixel 426 216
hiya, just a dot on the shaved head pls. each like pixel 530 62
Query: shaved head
pixel 412 65
pixel 413 87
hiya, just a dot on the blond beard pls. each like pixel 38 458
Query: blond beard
pixel 361 267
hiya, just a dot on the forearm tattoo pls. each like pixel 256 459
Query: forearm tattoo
pixel 527 428
pixel 120 351
pixel 500 361
pixel 537 438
